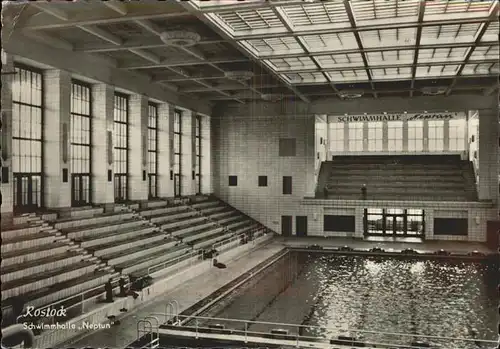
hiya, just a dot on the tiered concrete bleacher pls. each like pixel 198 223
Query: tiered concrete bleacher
pixel 42 266
pixel 417 177
pixel 122 239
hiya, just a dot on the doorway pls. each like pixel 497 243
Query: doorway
pixel 301 225
pixel 177 185
pixel 394 224
pixel 286 225
pixel 27 192
pixel 80 190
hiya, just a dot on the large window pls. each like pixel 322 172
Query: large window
pixel 375 136
pixel 336 137
pixel 394 222
pixel 27 123
pixel 356 136
pixel 457 134
pixel 152 150
pixel 80 144
pixel 198 154
pixel 416 135
pixel 121 147
pixel 177 152
pixel 395 136
pixel 436 135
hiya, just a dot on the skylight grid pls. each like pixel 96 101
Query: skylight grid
pixel 340 60
pixel 485 52
pixel 442 54
pixel 481 69
pixel 391 73
pixel 272 45
pixel 263 18
pixel 292 63
pixel 330 42
pixel 317 14
pixel 454 33
pixel 432 71
pixel 301 78
pixel 390 57
pixel 457 9
pixel 491 33
pixel 388 37
pixel 348 75
pixel 380 11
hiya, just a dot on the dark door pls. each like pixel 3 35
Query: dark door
pixel 286 225
pixel 80 190
pixel 177 185
pixel 493 234
pixel 301 225
pixel 121 188
pixel 27 192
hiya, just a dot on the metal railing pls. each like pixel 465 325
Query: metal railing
pixel 173 261
pixel 303 335
pixel 254 233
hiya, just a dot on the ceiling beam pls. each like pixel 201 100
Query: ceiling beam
pixel 327 29
pixel 350 15
pixel 102 34
pixel 387 66
pixel 421 12
pixel 143 43
pixel 97 18
pixel 198 77
pixel 229 88
pixel 51 9
pixel 221 6
pixel 117 6
pixel 183 62
pixel 292 54
pixel 482 31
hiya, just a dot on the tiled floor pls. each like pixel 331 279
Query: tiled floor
pixel 187 294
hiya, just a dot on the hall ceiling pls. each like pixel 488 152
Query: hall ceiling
pixel 296 50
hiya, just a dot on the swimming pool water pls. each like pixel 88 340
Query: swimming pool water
pixel 425 297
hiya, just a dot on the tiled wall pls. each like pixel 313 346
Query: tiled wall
pixel 249 147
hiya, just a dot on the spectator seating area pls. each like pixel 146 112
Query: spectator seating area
pixel 59 257
pixel 414 177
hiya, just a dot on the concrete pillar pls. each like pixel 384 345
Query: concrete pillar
pixel 57 190
pixel 187 181
pixel 206 156
pixel 488 155
pixel 6 184
pixel 365 137
pixel 102 144
pixel 346 137
pixel 385 136
pixel 425 135
pixel 165 184
pixel 137 153
pixel 405 136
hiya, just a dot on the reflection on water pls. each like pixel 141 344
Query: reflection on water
pixel 450 299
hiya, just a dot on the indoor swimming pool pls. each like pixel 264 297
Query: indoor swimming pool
pixel 332 295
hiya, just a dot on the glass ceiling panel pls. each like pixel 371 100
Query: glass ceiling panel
pixel 286 44
pixel 391 73
pixel 330 42
pixel 436 71
pixel 378 12
pixel 340 60
pixel 481 69
pixel 442 54
pixel 455 33
pixel 485 52
pixel 457 9
pixel 390 57
pixel 347 75
pixel 298 78
pixel 281 64
pixel 260 19
pixel 388 37
pixel 491 33
pixel 307 16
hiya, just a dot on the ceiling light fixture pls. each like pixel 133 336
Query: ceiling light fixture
pixel 434 90
pixel 351 94
pixel 272 97
pixel 180 38
pixel 239 75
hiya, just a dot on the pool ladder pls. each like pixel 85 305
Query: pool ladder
pixel 150 325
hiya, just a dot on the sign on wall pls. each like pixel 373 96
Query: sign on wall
pixel 397 117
